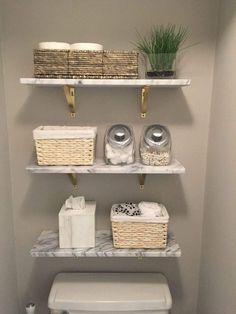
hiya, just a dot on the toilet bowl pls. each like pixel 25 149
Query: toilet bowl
pixel 110 293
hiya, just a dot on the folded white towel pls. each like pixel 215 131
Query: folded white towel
pixel 75 203
pixel 150 209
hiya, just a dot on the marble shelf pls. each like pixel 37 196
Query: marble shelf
pixel 47 246
pixel 107 82
pixel 100 167
pixel 70 85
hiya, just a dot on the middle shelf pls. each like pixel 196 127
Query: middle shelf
pixel 100 167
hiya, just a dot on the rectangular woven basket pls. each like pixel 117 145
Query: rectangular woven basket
pixel 63 146
pixel 51 63
pixel 139 232
pixel 84 64
pixel 120 64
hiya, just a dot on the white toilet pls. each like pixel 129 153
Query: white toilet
pixel 110 293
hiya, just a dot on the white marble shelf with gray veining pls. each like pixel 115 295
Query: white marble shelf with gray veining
pixel 100 167
pixel 47 246
pixel 107 82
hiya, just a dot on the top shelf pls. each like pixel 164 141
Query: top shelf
pixel 107 82
pixel 69 86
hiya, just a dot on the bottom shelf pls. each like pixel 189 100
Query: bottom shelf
pixel 47 245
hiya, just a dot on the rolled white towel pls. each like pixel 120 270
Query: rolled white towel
pixel 54 45
pixel 75 203
pixel 86 46
pixel 150 209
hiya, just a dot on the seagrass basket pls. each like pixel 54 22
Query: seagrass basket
pixel 49 63
pixel 139 232
pixel 85 64
pixel 120 64
pixel 61 145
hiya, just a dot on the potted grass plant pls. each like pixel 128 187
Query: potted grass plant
pixel 160 49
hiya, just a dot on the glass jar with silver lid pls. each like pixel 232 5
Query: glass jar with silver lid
pixel 119 145
pixel 155 145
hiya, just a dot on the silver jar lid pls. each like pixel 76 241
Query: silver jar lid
pixel 119 135
pixel 156 135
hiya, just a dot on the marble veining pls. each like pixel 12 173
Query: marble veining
pixel 107 82
pixel 101 167
pixel 47 246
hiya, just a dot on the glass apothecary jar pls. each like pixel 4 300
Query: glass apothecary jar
pixel 119 145
pixel 155 146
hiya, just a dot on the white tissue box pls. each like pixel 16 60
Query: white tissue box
pixel 77 227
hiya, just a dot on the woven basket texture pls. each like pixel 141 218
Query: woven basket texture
pixel 51 63
pixel 85 64
pixel 139 235
pixel 120 64
pixel 62 152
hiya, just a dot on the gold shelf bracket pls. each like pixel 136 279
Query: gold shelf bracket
pixel 73 179
pixel 70 98
pixel 144 100
pixel 142 178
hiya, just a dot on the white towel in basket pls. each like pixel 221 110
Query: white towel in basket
pixel 150 209
pixel 123 217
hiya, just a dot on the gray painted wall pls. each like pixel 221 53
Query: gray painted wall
pixel 218 275
pixel 37 198
pixel 8 286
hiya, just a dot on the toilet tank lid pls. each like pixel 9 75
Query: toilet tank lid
pixel 110 292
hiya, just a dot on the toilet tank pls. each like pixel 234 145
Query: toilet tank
pixel 113 293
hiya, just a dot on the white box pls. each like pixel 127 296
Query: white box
pixel 77 227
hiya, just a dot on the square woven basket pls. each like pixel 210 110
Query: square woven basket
pixel 139 232
pixel 64 146
pixel 85 64
pixel 50 63
pixel 120 64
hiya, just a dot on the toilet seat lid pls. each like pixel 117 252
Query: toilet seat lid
pixel 110 292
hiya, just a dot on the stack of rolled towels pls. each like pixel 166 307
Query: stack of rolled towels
pixel 66 46
pixel 144 209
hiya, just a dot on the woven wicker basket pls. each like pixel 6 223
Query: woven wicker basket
pixel 120 64
pixel 51 63
pixel 65 145
pixel 139 232
pixel 85 64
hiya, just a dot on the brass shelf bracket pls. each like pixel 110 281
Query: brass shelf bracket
pixel 142 178
pixel 70 98
pixel 144 100
pixel 73 179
